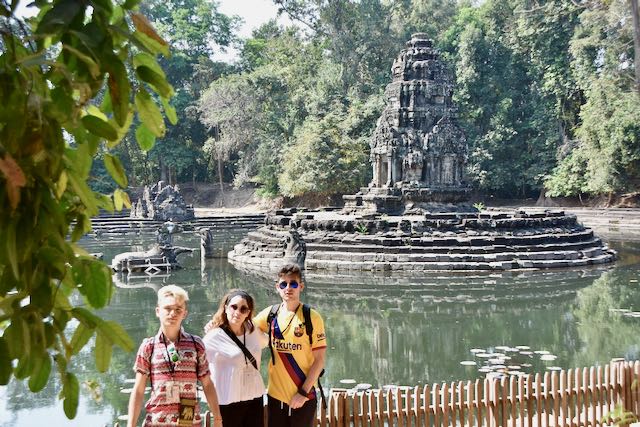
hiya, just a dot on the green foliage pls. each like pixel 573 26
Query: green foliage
pixel 66 98
pixel 607 157
pixel 479 206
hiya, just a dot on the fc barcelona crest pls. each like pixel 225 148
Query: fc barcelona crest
pixel 299 330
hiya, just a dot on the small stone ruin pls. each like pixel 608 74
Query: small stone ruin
pixel 418 151
pixel 415 215
pixel 162 202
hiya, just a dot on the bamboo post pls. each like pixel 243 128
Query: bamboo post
pixel 477 391
pixel 372 407
pixel 357 405
pixel 504 402
pixel 426 401
pixel 436 405
pixel 380 412
pixel 512 401
pixel 525 400
pixel 398 407
pixel 343 419
pixel 390 411
pixel 555 398
pixel 445 405
pixel 539 400
pixel 570 392
pixel 407 406
pixel 417 409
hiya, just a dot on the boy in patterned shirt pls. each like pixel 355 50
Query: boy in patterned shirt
pixel 296 363
pixel 173 361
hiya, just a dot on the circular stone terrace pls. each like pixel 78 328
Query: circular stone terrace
pixel 328 240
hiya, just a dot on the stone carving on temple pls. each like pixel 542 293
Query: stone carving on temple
pixel 162 202
pixel 418 150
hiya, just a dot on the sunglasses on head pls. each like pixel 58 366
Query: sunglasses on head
pixel 292 284
pixel 243 308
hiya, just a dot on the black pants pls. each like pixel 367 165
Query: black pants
pixel 302 417
pixel 249 413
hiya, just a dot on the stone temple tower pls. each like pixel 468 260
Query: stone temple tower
pixel 418 152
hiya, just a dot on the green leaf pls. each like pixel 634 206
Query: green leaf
pixel 115 169
pixel 12 251
pixel 40 374
pixel 103 352
pixel 89 319
pixel 119 90
pixel 157 81
pixel 169 111
pixel 5 362
pixel 146 32
pixel 145 138
pixel 71 393
pixel 121 199
pixel 25 366
pixel 80 337
pixel 149 113
pixel 99 127
pixel 17 337
pixel 83 191
pixel 144 59
pixel 59 16
pixel 94 69
pixel 94 281
pixel 116 334
pixel 130 4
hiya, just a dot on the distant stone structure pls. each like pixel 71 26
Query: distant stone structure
pixel 162 202
pixel 415 216
pixel 418 151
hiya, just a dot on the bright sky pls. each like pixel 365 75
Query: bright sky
pixel 253 12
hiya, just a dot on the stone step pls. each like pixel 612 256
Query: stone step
pixel 348 247
pixel 339 265
pixel 454 258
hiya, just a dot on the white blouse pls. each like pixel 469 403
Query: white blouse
pixel 235 378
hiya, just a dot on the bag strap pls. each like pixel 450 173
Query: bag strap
pixel 308 325
pixel 153 341
pixel 272 315
pixel 244 349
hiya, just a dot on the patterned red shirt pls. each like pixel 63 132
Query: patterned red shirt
pixel 153 360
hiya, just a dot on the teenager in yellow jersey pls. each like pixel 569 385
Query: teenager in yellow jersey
pixel 297 363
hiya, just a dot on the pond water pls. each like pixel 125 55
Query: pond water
pixel 380 330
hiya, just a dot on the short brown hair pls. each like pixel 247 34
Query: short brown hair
pixel 293 269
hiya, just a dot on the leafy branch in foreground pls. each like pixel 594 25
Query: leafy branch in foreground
pixel 71 79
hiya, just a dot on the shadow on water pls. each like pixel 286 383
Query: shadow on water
pixel 381 329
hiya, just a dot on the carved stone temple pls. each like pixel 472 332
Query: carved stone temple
pixel 162 202
pixel 418 151
pixel 414 216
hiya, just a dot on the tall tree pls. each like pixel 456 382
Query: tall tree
pixel 66 96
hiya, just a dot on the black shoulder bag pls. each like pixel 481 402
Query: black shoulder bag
pixel 244 349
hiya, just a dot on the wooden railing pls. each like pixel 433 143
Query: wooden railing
pixel 577 397
pixel 596 396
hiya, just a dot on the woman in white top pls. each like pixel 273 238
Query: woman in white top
pixel 235 373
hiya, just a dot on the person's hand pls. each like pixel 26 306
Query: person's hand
pixel 217 421
pixel 208 326
pixel 297 401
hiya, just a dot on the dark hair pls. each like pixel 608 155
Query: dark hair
pixel 220 320
pixel 293 269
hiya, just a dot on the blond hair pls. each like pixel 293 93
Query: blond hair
pixel 173 291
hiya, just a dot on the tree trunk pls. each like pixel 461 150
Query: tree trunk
pixel 635 13
pixel 163 170
pixel 220 174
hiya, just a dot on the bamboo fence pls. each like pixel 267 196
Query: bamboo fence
pixel 595 396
